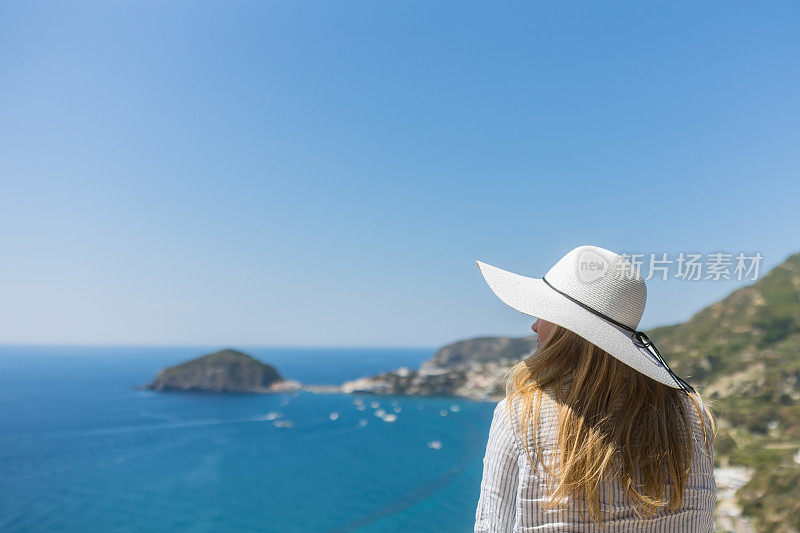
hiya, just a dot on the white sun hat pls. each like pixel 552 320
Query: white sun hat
pixel 595 293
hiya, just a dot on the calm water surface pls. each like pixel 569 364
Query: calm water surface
pixel 81 450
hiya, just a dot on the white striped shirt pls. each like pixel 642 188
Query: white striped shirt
pixel 513 494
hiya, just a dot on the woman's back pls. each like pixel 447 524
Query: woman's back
pixel 607 427
pixel 514 492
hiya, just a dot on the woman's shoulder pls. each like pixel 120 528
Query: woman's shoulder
pixel 520 411
pixel 505 411
pixel 702 427
pixel 516 405
pixel 547 399
pixel 504 428
pixel 698 413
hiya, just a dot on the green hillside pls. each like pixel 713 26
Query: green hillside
pixel 744 354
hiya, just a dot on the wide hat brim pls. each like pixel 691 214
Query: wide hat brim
pixel 533 297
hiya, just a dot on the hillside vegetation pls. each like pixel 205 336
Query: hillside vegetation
pixel 744 354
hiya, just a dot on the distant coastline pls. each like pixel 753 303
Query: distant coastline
pixel 470 368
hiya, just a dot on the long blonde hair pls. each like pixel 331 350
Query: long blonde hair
pixel 613 422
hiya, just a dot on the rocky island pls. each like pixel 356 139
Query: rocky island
pixel 226 371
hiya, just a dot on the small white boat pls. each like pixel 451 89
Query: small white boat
pixel 363 422
pixel 272 415
pixel 443 412
pixel 282 424
pixel 334 416
pixel 390 418
pixel 380 413
pixel 454 408
pixel 397 409
pixel 435 444
pixel 375 405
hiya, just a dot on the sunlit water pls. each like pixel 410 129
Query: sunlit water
pixel 81 450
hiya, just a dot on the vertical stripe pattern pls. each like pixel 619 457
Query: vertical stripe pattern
pixel 513 493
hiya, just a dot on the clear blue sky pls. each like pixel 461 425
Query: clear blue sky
pixel 326 173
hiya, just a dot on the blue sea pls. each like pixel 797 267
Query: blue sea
pixel 82 450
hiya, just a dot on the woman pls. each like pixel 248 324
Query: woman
pixel 596 432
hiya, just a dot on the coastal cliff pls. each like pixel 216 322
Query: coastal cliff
pixel 472 368
pixel 480 350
